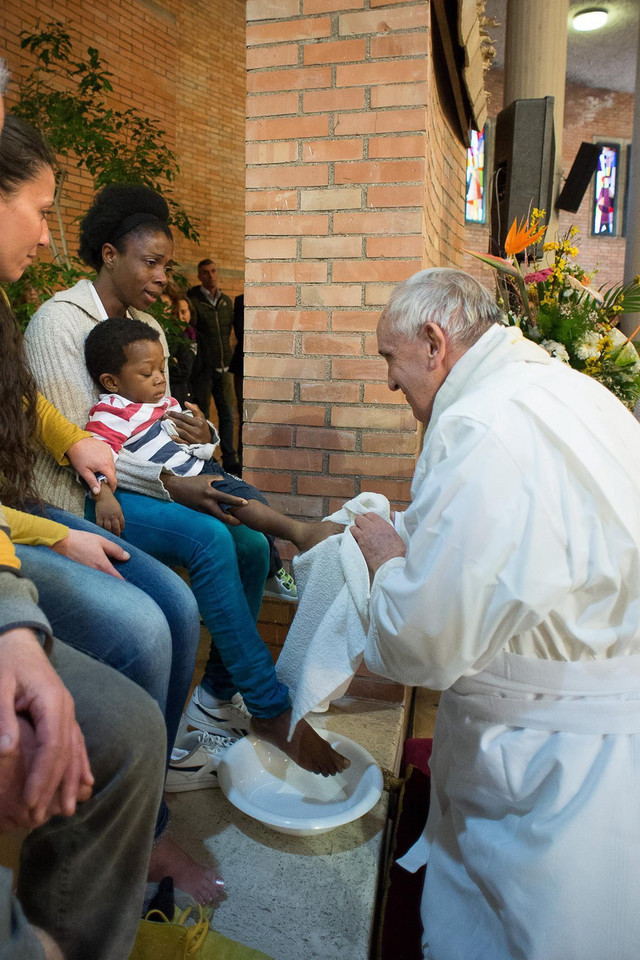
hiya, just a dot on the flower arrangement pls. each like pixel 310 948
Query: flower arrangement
pixel 556 305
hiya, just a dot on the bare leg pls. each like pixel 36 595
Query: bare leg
pixel 306 748
pixel 168 860
pixel 260 517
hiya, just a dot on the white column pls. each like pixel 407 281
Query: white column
pixel 535 64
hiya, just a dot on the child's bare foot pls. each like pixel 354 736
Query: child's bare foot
pixel 168 860
pixel 307 535
pixel 306 748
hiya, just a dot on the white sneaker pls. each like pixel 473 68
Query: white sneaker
pixel 282 586
pixel 229 718
pixel 194 761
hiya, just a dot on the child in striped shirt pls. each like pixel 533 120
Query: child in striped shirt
pixel 126 361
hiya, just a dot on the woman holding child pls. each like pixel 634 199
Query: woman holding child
pixel 180 520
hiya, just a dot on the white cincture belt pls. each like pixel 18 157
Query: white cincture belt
pixel 594 696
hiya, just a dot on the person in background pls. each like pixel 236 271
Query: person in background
pixel 81 747
pixel 236 367
pixel 211 377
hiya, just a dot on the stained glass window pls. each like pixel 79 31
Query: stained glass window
pixel 606 190
pixel 474 197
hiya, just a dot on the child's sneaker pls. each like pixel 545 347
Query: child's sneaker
pixel 282 586
pixel 229 718
pixel 194 761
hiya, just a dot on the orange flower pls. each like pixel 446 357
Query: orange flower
pixel 521 236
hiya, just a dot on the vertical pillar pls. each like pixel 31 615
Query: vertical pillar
pixel 536 64
pixel 632 251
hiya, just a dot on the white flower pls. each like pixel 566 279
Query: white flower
pixel 589 346
pixel 556 350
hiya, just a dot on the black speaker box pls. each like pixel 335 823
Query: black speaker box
pixel 583 168
pixel 524 157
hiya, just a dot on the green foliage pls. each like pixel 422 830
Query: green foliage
pixel 66 97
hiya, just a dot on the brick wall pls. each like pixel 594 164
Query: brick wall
pixel 340 105
pixel 182 64
pixel 590 114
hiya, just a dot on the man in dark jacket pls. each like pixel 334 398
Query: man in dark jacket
pixel 211 376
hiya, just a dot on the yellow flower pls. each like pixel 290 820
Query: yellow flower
pixel 552 245
pixel 573 231
pixel 520 237
pixel 573 251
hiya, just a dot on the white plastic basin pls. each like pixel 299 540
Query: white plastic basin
pixel 264 783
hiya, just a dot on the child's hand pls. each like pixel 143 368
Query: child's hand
pixel 109 513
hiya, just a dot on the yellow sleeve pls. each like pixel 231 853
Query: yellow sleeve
pixel 56 432
pixel 34 531
pixel 7 553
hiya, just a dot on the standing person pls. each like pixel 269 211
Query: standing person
pixel 125 237
pixel 236 367
pixel 211 377
pixel 81 772
pixel 512 583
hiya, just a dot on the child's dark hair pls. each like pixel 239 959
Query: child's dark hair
pixel 104 348
pixel 119 211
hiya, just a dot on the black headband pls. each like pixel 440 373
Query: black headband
pixel 136 220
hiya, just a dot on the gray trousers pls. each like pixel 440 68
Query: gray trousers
pixel 82 878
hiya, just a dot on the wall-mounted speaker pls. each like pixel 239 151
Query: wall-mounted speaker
pixel 583 168
pixel 524 157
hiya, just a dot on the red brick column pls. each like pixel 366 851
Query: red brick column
pixel 337 112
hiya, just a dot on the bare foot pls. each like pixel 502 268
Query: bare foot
pixel 168 860
pixel 307 535
pixel 306 748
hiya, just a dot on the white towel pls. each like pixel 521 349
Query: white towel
pixel 326 640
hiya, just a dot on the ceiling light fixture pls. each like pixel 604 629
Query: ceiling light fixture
pixel 591 19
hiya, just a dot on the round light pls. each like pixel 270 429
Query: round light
pixel 590 20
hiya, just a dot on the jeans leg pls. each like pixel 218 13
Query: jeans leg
pixel 82 878
pixel 222 391
pixel 227 567
pixel 178 612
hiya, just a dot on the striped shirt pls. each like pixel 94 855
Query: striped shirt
pixel 139 428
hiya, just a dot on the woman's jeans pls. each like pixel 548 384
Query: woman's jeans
pixel 145 627
pixel 227 567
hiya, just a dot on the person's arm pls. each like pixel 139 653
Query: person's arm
pixel 56 772
pixel 29 529
pixel 67 443
pixel 456 599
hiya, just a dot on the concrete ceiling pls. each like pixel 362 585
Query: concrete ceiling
pixel 604 58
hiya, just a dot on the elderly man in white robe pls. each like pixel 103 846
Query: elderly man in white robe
pixel 512 583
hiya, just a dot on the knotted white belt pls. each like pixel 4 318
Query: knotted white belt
pixel 595 696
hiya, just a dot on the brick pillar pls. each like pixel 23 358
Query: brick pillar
pixel 339 100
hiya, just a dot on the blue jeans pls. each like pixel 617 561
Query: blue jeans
pixel 145 627
pixel 227 567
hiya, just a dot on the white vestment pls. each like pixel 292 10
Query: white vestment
pixel 520 597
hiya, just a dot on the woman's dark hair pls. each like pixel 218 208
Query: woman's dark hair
pixel 23 154
pixel 104 348
pixel 119 211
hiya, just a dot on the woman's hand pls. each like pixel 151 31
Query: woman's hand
pixel 90 456
pixel 92 550
pixel 193 429
pixel 199 494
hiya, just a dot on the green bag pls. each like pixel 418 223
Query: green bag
pixel 173 940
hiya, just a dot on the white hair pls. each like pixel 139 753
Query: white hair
pixel 4 77
pixel 452 299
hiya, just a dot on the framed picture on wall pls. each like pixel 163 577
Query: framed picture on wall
pixel 606 191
